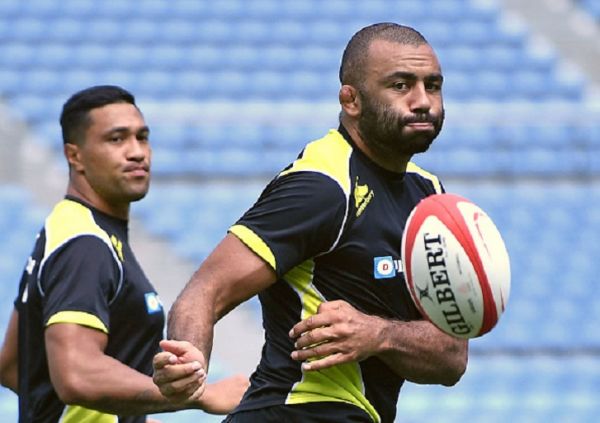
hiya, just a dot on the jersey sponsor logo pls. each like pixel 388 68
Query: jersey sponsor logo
pixel 362 197
pixel 116 242
pixel 386 267
pixel 153 304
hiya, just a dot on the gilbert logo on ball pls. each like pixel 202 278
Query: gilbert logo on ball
pixel 456 265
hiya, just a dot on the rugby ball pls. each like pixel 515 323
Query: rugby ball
pixel 455 265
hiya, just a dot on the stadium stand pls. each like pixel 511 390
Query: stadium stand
pixel 233 89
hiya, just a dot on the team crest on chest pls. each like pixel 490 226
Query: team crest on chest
pixel 362 197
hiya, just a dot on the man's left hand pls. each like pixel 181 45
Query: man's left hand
pixel 337 334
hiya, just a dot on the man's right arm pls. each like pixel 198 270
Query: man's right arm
pixel 230 275
pixel 82 374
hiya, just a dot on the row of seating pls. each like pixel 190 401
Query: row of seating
pixel 93 57
pixel 530 388
pixel 205 29
pixel 271 85
pixel 234 9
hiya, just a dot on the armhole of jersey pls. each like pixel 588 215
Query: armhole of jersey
pixel 255 243
pixel 78 317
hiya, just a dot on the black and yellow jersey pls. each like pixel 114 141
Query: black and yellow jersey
pixel 331 225
pixel 82 271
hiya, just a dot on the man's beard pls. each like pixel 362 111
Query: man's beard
pixel 381 130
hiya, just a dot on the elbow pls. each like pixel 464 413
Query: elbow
pixel 69 395
pixel 5 380
pixel 453 376
pixel 71 390
pixel 4 371
pixel 456 368
pixel 8 375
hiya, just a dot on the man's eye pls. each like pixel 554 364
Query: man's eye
pixel 401 85
pixel 116 138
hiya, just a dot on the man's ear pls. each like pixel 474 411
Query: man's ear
pixel 71 152
pixel 350 101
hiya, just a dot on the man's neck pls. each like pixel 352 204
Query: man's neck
pixel 89 196
pixel 393 164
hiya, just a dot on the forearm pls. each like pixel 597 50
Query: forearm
pixel 420 352
pixel 228 277
pixel 192 317
pixel 111 387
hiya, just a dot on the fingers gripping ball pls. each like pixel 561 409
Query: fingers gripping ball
pixel 456 265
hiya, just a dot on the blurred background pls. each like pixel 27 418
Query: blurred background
pixel 233 89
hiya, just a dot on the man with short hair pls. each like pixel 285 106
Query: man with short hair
pixel 87 322
pixel 342 336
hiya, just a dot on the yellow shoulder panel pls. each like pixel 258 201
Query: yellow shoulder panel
pixel 413 168
pixel 68 220
pixel 329 155
pixel 255 243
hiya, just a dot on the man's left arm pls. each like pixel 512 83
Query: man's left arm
pixel 415 350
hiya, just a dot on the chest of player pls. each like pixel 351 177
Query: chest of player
pixel 137 304
pixel 366 263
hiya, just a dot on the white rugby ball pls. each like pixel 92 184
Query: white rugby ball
pixel 455 265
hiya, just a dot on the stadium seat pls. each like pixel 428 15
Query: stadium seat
pixel 592 7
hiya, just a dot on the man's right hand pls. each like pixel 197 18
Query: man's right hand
pixel 180 372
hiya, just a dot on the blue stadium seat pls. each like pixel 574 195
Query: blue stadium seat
pixel 214 31
pixel 289 32
pixel 105 30
pixel 16 56
pixel 10 81
pixel 66 30
pixel 27 29
pixel 154 83
pixel 80 9
pixel 180 32
pixel 592 7
pixel 116 9
pixel 10 9
pixel 243 58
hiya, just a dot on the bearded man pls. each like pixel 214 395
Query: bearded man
pixel 321 248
